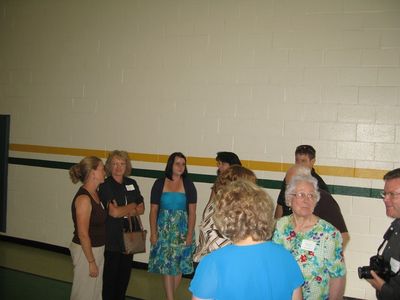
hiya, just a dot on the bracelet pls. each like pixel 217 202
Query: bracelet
pixel 91 261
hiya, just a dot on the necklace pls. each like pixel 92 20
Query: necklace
pixel 94 195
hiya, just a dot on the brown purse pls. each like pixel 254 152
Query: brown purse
pixel 135 241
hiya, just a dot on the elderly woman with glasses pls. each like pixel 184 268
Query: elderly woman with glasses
pixel 314 243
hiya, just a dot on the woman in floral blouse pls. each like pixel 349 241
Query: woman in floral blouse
pixel 314 243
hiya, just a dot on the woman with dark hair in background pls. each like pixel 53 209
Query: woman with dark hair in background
pixel 209 238
pixel 89 216
pixel 172 221
pixel 225 159
pixel 122 196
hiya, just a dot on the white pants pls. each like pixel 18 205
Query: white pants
pixel 85 287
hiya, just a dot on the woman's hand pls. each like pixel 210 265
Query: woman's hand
pixel 153 238
pixel 93 270
pixel 112 209
pixel 189 240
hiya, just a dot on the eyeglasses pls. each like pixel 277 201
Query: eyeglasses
pixel 302 195
pixel 391 195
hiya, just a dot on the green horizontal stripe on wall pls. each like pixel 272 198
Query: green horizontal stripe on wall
pixel 146 173
pixel 354 191
pixel 201 161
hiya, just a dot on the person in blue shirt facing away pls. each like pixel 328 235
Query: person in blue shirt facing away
pixel 252 267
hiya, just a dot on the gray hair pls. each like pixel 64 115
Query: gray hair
pixel 302 175
pixel 302 171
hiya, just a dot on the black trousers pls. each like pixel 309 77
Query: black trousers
pixel 116 274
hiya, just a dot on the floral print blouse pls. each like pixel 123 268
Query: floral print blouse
pixel 317 251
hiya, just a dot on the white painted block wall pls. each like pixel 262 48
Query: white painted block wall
pixel 154 76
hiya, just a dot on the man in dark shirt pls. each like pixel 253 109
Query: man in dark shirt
pixel 390 289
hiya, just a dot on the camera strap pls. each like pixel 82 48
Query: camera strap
pixel 388 233
pixel 386 237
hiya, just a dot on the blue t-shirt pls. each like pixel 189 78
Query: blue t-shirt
pixel 260 271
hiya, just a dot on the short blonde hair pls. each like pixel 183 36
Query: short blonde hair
pixel 122 155
pixel 243 209
pixel 233 173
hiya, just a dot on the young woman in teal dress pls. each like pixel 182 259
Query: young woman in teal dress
pixel 172 221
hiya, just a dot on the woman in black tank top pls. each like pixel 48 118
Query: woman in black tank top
pixel 89 216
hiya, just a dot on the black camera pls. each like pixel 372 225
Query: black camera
pixel 378 265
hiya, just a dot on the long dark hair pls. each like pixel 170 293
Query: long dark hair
pixel 170 163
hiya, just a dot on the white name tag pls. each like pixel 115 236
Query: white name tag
pixel 394 265
pixel 130 187
pixel 308 245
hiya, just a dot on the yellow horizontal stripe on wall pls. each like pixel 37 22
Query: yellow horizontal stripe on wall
pixel 202 161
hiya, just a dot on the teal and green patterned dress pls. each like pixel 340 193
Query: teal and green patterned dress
pixel 318 253
pixel 170 255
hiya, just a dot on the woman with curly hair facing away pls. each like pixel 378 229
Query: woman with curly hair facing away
pixel 89 217
pixel 252 267
pixel 209 237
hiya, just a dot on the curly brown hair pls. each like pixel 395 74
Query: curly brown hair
pixel 243 209
pixel 233 173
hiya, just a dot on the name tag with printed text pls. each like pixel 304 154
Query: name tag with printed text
pixel 129 187
pixel 308 245
pixel 394 265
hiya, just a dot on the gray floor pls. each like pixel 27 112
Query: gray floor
pixel 58 266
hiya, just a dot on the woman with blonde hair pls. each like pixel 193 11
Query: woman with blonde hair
pixel 121 195
pixel 209 237
pixel 252 267
pixel 89 216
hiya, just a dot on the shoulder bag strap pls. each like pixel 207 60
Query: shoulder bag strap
pixel 139 222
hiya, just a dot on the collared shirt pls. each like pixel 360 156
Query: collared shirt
pixel 123 193
pixel 391 290
pixel 210 238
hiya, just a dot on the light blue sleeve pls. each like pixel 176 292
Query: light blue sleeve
pixel 204 283
pixel 292 268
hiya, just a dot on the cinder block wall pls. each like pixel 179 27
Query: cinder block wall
pixel 152 77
